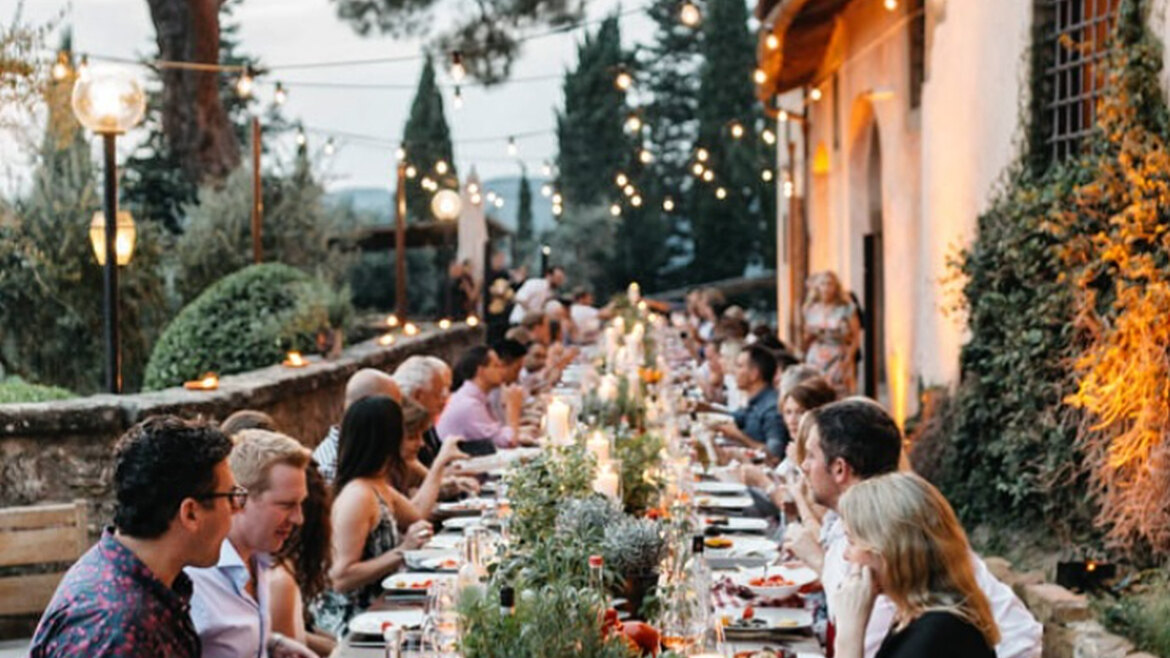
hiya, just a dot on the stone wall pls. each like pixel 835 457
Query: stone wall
pixel 62 451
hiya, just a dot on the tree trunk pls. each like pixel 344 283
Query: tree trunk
pixel 194 119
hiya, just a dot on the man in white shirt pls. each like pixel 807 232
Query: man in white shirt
pixel 855 439
pixel 531 296
pixel 586 317
pixel 230 604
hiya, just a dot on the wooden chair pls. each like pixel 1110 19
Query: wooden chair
pixel 38 535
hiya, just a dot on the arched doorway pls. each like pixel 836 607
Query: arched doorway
pixel 873 319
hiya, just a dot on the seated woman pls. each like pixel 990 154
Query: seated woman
pixel 368 514
pixel 906 543
pixel 300 570
pixel 409 476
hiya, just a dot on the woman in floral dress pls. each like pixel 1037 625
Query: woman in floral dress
pixel 832 333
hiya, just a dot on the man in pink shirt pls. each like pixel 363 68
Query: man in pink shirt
pixel 468 414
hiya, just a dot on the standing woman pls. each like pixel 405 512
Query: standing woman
pixel 832 333
pixel 906 543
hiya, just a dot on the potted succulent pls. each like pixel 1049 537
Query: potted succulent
pixel 634 548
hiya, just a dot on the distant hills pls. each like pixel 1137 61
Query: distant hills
pixel 373 202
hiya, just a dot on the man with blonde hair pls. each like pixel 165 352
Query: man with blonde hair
pixel 365 383
pixel 230 601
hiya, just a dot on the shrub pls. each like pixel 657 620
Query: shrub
pixel 244 321
pixel 15 389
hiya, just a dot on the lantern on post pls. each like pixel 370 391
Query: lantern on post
pixel 125 237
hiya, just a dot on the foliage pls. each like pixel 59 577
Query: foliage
pixel 585 519
pixel 552 621
pixel 633 546
pixel 642 482
pixel 1141 612
pixel 584 244
pixel 427 140
pixel 50 283
pixel 729 233
pixel 1117 242
pixel 297 230
pixel 15 389
pixel 23 73
pixel 244 321
pixel 536 487
pixel 523 246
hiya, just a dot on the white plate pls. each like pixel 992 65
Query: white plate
pixel 432 559
pixel 724 502
pixel 735 523
pixel 720 488
pixel 744 561
pixel 370 623
pixel 473 506
pixel 447 540
pixel 778 620
pixel 798 575
pixel 413 582
pixel 461 523
pixel 742 546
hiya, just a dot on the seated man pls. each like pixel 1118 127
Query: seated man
pixel 128 596
pixel 758 423
pixel 230 603
pixel 365 383
pixel 511 355
pixel 468 413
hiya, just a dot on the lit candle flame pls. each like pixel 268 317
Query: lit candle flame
pixel 410 329
pixel 295 360
pixel 391 320
pixel 209 382
pixel 444 324
pixel 472 321
pixel 386 339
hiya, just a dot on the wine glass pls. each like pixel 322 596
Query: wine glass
pixel 442 618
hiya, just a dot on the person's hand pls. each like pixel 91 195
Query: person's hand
pixel 800 540
pixel 449 452
pixel 467 485
pixel 280 646
pixel 417 535
pixel 754 476
pixel 853 603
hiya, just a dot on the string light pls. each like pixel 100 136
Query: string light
pixel 546 190
pixel 689 14
pixel 624 81
pixel 633 123
pixel 615 210
pixel 891 5
pixel 629 190
pixel 457 99
pixel 636 201
pixel 789 188
pixel 513 150
pixel 411 171
pixel 783 116
pixel 546 169
pixel 280 95
pixel 61 68
pixel 736 130
pixel 458 72
pixel 83 68
pixel 329 146
pixel 708 175
pixel 491 196
pixel 697 169
pixel 557 210
pixel 702 155
pixel 815 94
pixel 645 156
pixel 768 136
pixel 557 198
pixel 245 83
pixel 427 182
pixel 400 153
pixel 621 179
pixel 441 168
pixel 473 188
pixel 301 139
pixel 721 193
pixel 476 198
pixel 499 203
pixel 760 76
pixel 772 42
pixel 766 175
pixel 668 204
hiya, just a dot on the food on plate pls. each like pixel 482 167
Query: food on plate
pixel 762 653
pixel 775 580
pixel 716 520
pixel 413 584
pixel 748 612
pixel 718 542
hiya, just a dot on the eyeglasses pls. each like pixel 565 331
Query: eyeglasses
pixel 237 497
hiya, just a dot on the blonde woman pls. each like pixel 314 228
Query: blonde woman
pixel 832 333
pixel 905 542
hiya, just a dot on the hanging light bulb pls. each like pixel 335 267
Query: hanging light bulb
pixel 557 209
pixel 759 76
pixel 708 175
pixel 772 42
pixel 624 81
pixel 546 168
pixel 329 147
pixel 789 187
pixel 512 149
pixel 301 139
pixel 476 198
pixel 499 202
pixel 636 201
pixel 61 68
pixel 457 99
pixel 546 190
pixel 766 175
pixel 83 68
pixel 689 14
pixel 668 204
pixel 697 169
pixel 491 196
pixel 633 123
pixel 400 152
pixel 473 188
pixel 768 136
pixel 629 190
pixel 615 210
pixel 557 198
pixel 891 5
pixel 245 83
pixel 280 95
pixel 458 71
pixel 621 179
pixel 411 171
pixel 441 167
pixel 815 94
pixel 701 155
pixel 645 156
pixel 721 193
pixel 736 130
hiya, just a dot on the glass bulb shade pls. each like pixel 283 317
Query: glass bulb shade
pixel 125 237
pixel 721 194
pixel 615 210
pixel 446 205
pixel 636 201
pixel 108 101
pixel 690 15
pixel 546 190
pixel 668 204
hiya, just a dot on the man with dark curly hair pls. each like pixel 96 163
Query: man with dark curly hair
pixel 128 596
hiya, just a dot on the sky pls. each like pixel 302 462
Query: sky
pixel 299 31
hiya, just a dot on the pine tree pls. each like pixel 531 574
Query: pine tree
pixel 727 232
pixel 524 231
pixel 592 146
pixel 428 141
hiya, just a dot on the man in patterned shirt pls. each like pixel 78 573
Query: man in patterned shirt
pixel 128 595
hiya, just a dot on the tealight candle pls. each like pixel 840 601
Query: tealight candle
pixel 295 360
pixel 391 320
pixel 558 421
pixel 209 382
pixel 410 329
pixel 444 324
pixel 386 339
pixel 472 321
pixel 598 444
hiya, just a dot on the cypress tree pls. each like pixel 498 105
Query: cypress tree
pixel 524 230
pixel 428 140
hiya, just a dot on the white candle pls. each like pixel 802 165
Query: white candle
pixel 598 444
pixel 558 421
pixel 607 390
pixel 607 481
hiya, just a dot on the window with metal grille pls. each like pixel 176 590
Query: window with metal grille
pixel 917 51
pixel 1073 43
